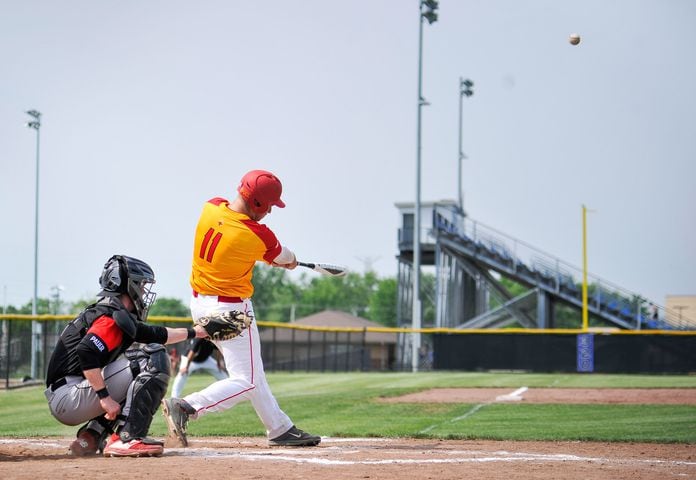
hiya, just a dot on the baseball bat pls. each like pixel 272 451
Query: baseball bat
pixel 325 268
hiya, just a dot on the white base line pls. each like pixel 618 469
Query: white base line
pixel 519 392
pixel 467 457
pixel 515 396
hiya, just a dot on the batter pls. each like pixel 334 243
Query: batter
pixel 228 242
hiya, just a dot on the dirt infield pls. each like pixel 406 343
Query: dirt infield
pixel 656 396
pixel 384 458
pixel 388 459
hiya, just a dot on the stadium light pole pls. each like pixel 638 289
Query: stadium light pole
pixel 464 90
pixel 35 325
pixel 427 12
pixel 55 290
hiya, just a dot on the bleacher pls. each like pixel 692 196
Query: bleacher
pixel 495 251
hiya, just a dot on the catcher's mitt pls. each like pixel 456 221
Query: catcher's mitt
pixel 225 325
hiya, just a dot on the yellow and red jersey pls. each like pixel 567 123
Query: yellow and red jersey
pixel 225 249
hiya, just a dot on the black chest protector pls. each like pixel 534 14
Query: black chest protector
pixel 77 329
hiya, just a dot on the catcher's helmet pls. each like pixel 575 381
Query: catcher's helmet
pixel 261 189
pixel 129 275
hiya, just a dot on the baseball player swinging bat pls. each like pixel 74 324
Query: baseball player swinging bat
pixel 325 268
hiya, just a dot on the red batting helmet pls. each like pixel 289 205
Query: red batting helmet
pixel 261 189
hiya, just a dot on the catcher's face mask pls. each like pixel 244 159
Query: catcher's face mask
pixel 123 274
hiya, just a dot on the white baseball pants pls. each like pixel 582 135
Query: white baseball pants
pixel 209 365
pixel 247 379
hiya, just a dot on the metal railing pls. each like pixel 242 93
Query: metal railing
pixel 556 273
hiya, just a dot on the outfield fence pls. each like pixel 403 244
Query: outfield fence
pixel 290 347
pixel 285 347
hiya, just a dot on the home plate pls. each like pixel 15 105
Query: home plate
pixel 515 396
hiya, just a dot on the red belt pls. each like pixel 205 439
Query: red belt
pixel 223 299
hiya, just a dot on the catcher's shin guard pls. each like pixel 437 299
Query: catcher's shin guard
pixel 146 391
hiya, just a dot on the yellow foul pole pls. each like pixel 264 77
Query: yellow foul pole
pixel 585 315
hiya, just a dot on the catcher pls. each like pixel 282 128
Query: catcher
pixel 98 375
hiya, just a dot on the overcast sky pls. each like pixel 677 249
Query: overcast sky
pixel 152 107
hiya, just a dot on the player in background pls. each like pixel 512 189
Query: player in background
pixel 201 355
pixel 228 242
pixel 93 376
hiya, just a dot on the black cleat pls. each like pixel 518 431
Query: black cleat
pixel 176 412
pixel 295 438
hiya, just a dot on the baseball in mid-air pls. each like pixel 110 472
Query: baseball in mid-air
pixel 574 39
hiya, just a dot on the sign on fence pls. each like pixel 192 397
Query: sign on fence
pixel 585 351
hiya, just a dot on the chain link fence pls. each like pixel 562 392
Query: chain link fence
pixel 288 347
pixel 285 347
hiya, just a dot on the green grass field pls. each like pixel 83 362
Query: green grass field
pixel 346 405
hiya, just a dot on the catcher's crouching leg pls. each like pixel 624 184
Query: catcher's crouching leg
pixel 142 400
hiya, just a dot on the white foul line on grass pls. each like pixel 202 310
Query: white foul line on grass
pixel 514 396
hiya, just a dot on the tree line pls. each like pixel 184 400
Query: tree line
pixel 279 298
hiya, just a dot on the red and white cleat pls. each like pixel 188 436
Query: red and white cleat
pixel 137 447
